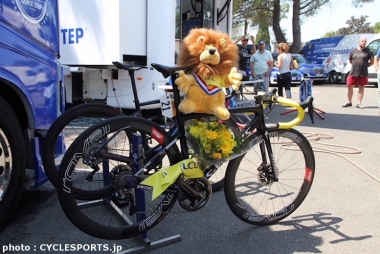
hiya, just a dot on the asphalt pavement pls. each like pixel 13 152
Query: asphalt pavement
pixel 341 214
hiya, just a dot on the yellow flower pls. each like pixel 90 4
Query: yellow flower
pixel 211 135
pixel 227 147
pixel 211 140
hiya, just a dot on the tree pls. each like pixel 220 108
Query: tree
pixel 376 27
pixel 274 9
pixel 257 13
pixel 305 9
pixel 355 26
pixel 359 25
pixel 359 3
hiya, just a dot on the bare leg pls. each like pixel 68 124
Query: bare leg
pixel 360 94
pixel 350 93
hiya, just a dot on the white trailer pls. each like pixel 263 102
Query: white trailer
pixel 94 33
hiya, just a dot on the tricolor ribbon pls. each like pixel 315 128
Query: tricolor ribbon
pixel 204 86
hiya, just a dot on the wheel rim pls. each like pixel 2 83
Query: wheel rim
pixel 333 78
pixel 259 199
pixel 5 164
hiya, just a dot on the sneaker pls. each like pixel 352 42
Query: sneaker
pixel 348 104
pixel 359 106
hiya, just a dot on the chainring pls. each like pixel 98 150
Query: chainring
pixel 186 198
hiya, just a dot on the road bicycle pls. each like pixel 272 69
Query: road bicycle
pixel 265 183
pixel 74 121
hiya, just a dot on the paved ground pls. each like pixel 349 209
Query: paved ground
pixel 340 215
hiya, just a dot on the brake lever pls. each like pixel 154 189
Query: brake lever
pixel 308 103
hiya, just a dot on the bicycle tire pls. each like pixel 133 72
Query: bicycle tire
pixel 78 116
pixel 106 204
pixel 270 201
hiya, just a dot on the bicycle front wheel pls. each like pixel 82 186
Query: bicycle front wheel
pixel 66 128
pixel 96 191
pixel 252 192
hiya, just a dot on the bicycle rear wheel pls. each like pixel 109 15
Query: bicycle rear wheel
pixel 66 128
pixel 251 191
pixel 114 207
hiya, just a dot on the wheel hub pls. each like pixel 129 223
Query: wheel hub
pixel 266 175
pixel 89 155
pixel 5 164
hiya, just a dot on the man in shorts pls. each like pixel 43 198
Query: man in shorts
pixel 261 64
pixel 360 59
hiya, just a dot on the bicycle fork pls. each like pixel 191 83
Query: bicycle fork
pixel 268 171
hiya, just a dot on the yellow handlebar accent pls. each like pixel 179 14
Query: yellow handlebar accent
pixel 293 104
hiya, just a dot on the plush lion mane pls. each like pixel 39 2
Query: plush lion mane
pixel 191 49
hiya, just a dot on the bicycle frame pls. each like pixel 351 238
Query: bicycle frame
pixel 257 123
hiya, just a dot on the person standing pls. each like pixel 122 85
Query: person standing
pixel 284 78
pixel 360 59
pixel 377 69
pixel 261 64
pixel 245 53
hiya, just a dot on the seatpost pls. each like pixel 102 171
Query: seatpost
pixel 177 97
pixel 180 122
pixel 131 72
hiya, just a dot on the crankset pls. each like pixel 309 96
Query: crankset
pixel 194 193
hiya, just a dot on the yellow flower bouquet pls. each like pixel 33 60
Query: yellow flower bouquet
pixel 212 141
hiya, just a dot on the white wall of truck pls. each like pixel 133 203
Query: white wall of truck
pixel 95 33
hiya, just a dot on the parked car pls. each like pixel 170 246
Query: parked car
pixel 297 77
pixel 317 72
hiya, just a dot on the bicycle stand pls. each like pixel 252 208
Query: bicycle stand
pixel 137 149
pixel 254 83
pixel 317 111
pixel 306 89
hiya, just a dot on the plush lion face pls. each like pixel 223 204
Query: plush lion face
pixel 209 52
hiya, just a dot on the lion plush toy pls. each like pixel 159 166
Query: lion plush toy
pixel 213 57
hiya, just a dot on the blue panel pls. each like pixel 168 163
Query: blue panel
pixel 37 19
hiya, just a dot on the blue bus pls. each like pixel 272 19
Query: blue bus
pixel 30 91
